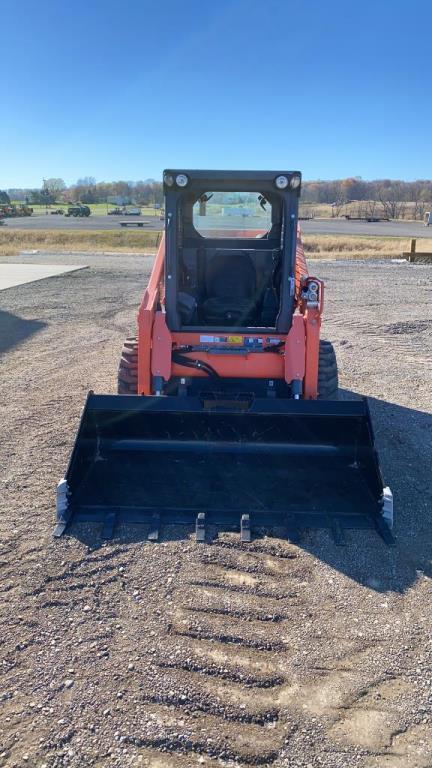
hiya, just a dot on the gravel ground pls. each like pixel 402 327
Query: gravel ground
pixel 178 654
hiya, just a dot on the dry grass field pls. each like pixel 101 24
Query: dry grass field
pixel 342 247
pixel 133 241
pixel 124 240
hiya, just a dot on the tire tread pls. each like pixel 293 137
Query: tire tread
pixel 328 381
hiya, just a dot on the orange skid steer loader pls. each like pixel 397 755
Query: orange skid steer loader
pixel 227 413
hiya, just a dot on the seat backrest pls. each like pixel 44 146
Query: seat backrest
pixel 230 274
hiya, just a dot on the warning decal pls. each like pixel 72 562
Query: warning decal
pixel 235 339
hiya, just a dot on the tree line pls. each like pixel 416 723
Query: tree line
pixel 391 198
pixel 88 190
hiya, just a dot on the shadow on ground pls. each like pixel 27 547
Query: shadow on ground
pixel 14 330
pixel 404 442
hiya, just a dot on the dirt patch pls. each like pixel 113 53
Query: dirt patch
pixel 180 655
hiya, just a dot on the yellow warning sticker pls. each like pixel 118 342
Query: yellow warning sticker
pixel 235 339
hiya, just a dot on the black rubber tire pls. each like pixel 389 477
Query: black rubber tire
pixel 327 372
pixel 127 380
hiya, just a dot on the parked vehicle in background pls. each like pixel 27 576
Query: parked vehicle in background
pixel 23 210
pixel 15 211
pixel 78 210
pixel 57 212
pixel 124 211
pixel 428 219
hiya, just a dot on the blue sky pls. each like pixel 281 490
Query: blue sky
pixel 120 89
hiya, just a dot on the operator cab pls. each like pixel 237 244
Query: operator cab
pixel 230 249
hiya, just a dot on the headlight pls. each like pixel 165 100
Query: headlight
pixel 181 180
pixel 169 179
pixel 295 182
pixel 281 182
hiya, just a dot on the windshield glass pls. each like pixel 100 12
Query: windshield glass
pixel 232 214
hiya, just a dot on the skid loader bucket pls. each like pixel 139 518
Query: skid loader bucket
pixel 262 464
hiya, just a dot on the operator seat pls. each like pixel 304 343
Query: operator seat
pixel 231 290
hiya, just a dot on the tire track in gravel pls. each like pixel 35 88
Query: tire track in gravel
pixel 82 582
pixel 49 595
pixel 237 671
pixel 226 657
pixel 237 663
pixel 410 339
pixel 409 747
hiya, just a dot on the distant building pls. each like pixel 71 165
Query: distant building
pixel 119 200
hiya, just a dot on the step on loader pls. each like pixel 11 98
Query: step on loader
pixel 226 416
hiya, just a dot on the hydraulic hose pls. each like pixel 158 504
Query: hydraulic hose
pixel 199 365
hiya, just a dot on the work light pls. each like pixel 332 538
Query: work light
pixel 181 180
pixel 169 179
pixel 281 182
pixel 295 181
